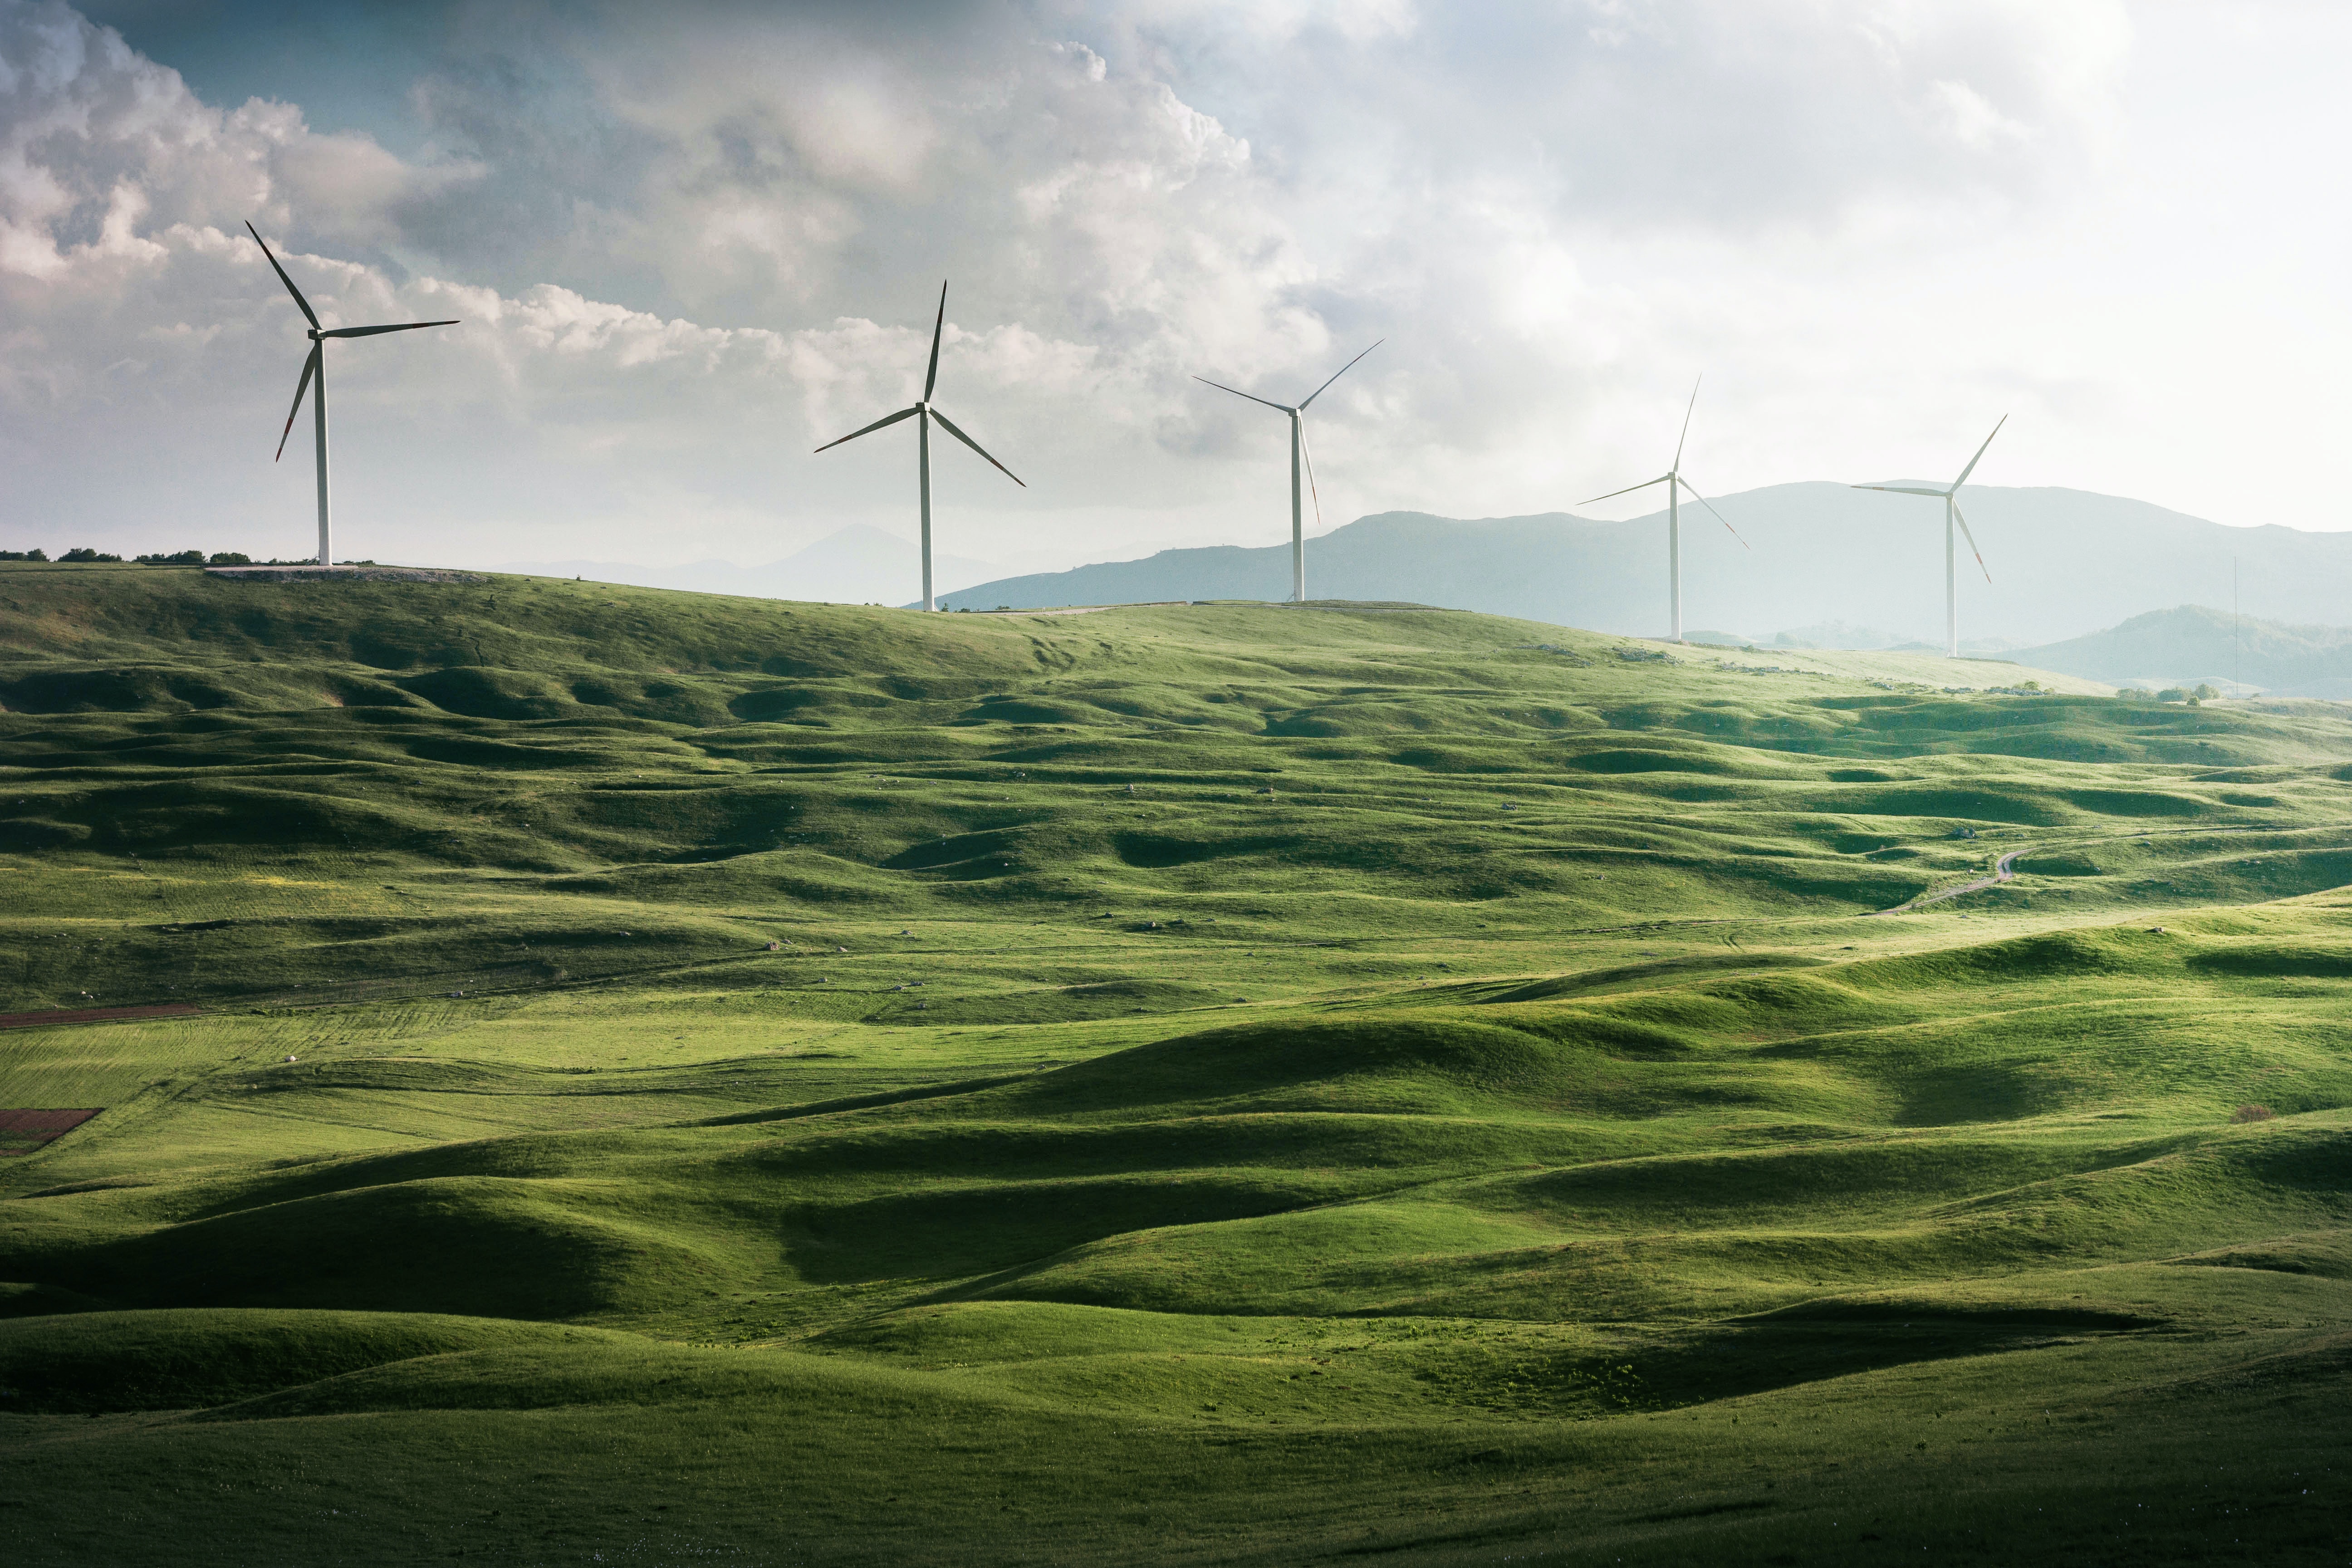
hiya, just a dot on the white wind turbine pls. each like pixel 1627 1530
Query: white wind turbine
pixel 1951 500
pixel 1676 484
pixel 1298 456
pixel 924 414
pixel 315 367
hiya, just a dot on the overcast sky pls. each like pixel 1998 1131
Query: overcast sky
pixel 691 243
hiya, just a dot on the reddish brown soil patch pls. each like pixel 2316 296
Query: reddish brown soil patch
pixel 22 1131
pixel 95 1015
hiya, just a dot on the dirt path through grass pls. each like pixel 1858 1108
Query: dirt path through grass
pixel 2001 872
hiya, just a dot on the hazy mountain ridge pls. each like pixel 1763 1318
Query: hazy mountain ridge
pixel 2192 643
pixel 2064 563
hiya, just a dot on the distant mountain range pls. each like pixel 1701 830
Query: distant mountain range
pixel 1820 557
pixel 2193 644
pixel 856 565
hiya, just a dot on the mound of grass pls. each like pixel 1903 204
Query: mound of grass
pixel 92 1361
pixel 690 1077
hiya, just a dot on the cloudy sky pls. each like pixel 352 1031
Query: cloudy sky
pixel 690 243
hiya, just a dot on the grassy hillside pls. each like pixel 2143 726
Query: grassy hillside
pixel 674 1077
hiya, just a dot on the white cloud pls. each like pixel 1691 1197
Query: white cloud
pixel 99 144
pixel 715 241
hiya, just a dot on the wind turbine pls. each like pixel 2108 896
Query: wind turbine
pixel 316 367
pixel 1299 455
pixel 924 412
pixel 1676 484
pixel 1951 499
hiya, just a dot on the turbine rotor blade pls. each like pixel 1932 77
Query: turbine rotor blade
pixel 1335 375
pixel 1308 453
pixel 931 376
pixel 1237 392
pixel 1900 490
pixel 308 314
pixel 1980 452
pixel 1972 541
pixel 370 332
pixel 1629 490
pixel 1718 516
pixel 885 419
pixel 309 368
pixel 951 426
pixel 1685 436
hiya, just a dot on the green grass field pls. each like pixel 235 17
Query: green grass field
pixel 678 1078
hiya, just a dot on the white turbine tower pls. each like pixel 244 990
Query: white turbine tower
pixel 924 412
pixel 1676 484
pixel 1298 457
pixel 315 367
pixel 1951 500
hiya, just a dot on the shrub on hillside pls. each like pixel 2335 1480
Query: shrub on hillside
pixel 24 556
pixel 231 558
pixel 2253 1113
pixel 88 554
pixel 177 558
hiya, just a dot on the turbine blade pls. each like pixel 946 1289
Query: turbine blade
pixel 1629 490
pixel 951 426
pixel 1980 452
pixel 1972 543
pixel 1685 436
pixel 1335 375
pixel 1237 392
pixel 1308 453
pixel 308 314
pixel 370 332
pixel 931 376
pixel 1710 506
pixel 887 419
pixel 1900 490
pixel 309 368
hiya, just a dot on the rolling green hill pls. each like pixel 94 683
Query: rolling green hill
pixel 635 1076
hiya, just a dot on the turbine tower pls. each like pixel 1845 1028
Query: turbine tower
pixel 315 367
pixel 1298 457
pixel 1676 484
pixel 1951 499
pixel 924 412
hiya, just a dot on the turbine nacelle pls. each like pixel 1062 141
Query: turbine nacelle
pixel 1676 484
pixel 924 408
pixel 1300 457
pixel 1950 496
pixel 314 368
